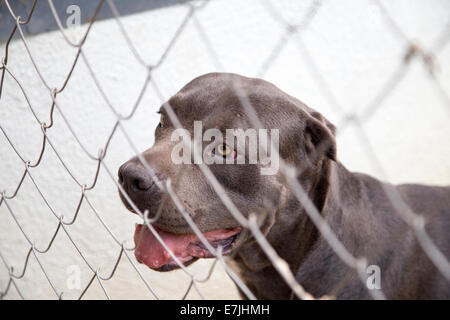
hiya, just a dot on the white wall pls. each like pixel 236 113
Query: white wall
pixel 352 45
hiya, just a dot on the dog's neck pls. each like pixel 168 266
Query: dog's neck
pixel 292 220
pixel 328 192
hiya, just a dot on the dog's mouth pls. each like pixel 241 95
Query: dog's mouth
pixel 186 247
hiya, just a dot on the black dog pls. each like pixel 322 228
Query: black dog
pixel 356 206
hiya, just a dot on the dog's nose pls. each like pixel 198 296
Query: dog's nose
pixel 135 178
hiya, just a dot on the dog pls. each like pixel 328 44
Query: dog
pixel 357 207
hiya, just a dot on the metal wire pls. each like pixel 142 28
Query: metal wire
pixel 292 33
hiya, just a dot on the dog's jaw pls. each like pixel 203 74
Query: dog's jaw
pixel 185 247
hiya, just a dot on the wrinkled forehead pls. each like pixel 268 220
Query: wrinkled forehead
pixel 219 112
pixel 222 104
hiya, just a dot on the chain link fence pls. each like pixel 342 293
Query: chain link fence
pixel 54 115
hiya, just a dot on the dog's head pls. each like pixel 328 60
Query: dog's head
pixel 211 108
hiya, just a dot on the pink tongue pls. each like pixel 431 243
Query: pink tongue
pixel 152 253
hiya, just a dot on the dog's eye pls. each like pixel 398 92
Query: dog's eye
pixel 224 150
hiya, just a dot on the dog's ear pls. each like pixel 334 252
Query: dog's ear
pixel 320 144
pixel 319 138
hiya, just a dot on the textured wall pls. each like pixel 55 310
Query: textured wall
pixel 354 49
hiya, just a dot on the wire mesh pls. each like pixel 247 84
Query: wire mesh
pixel 292 35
